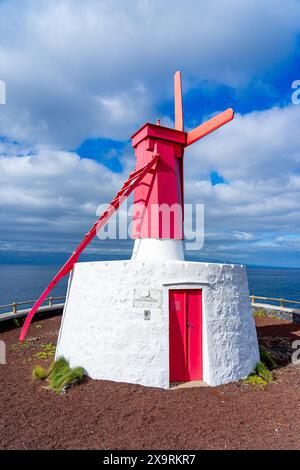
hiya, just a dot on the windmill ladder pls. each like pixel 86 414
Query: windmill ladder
pixel 133 180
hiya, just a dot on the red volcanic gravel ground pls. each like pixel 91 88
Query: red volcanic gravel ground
pixel 108 415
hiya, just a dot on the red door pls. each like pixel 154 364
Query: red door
pixel 185 337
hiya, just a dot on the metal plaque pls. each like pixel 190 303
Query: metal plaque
pixel 147 298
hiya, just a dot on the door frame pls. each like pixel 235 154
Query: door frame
pixel 204 286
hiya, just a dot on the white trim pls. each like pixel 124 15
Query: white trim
pixel 151 249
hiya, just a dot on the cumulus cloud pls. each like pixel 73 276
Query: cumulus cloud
pixel 78 69
pixel 48 198
pixel 267 146
pixel 258 155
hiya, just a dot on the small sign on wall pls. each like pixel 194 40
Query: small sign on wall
pixel 147 298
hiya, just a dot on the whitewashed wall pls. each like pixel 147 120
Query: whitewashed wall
pixel 103 327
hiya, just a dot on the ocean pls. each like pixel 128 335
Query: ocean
pixel 282 283
pixel 26 282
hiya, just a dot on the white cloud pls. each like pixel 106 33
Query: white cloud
pixel 49 199
pixel 75 69
pixel 258 145
pixel 242 235
pixel 258 154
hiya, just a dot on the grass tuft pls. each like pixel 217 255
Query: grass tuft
pixel 261 375
pixel 259 313
pixel 39 373
pixel 263 372
pixel 60 375
pixel 48 350
pixel 255 380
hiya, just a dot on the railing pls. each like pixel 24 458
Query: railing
pixel 282 302
pixel 50 303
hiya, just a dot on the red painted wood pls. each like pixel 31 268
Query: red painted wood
pixel 161 192
pixel 185 335
pixel 158 132
pixel 178 101
pixel 165 189
pixel 194 347
pixel 177 338
pixel 209 126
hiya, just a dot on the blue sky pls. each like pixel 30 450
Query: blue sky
pixel 81 77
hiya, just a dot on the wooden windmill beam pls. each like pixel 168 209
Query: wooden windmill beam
pixel 178 102
pixel 209 126
pixel 133 180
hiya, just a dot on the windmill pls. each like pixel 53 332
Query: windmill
pixel 158 179
pixel 157 182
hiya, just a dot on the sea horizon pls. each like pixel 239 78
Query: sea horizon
pixel 26 281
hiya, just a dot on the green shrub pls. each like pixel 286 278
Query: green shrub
pixel 62 376
pixel 49 347
pixel 48 350
pixel 255 380
pixel 41 355
pixel 267 358
pixel 20 347
pixel 263 372
pixel 260 376
pixel 259 313
pixel 59 375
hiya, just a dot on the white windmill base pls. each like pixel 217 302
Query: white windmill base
pixel 104 328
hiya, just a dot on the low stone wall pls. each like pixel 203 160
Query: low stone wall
pixel 275 313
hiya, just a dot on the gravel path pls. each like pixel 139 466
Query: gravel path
pixel 108 415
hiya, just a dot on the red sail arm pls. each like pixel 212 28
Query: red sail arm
pixel 178 102
pixel 134 179
pixel 209 126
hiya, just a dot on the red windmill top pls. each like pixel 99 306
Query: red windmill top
pixel 157 181
pixel 164 188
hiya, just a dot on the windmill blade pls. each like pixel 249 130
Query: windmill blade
pixel 209 126
pixel 178 102
pixel 133 180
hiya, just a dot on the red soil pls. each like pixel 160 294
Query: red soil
pixel 108 415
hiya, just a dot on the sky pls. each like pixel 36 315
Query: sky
pixel 82 77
